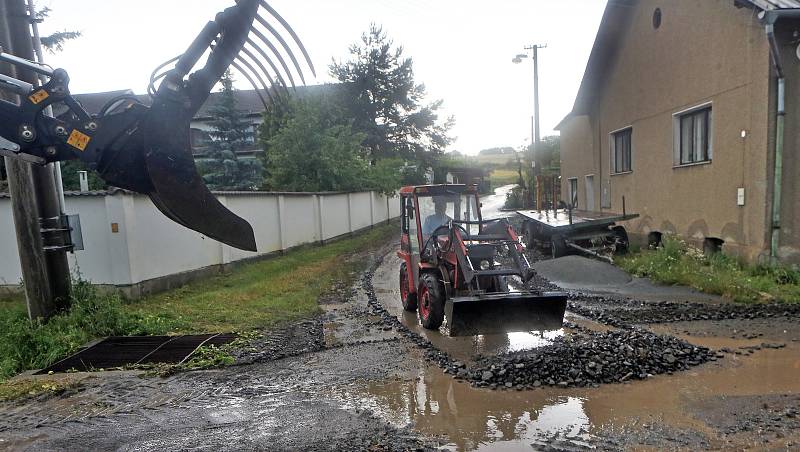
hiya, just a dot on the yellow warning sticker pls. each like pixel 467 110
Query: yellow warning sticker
pixel 38 96
pixel 78 140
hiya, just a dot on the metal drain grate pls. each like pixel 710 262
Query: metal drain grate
pixel 118 351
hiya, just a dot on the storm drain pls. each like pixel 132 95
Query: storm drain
pixel 119 351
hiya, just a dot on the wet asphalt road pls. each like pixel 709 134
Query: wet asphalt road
pixel 352 382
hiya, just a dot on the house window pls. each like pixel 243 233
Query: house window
pixel 621 151
pixel 573 192
pixel 693 136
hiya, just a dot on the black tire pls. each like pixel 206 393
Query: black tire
pixel 558 247
pixel 530 241
pixel 407 298
pixel 621 239
pixel 430 301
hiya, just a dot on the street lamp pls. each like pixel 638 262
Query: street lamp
pixel 534 48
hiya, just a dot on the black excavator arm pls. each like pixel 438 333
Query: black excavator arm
pixel 146 148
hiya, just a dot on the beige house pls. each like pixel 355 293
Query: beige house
pixel 678 113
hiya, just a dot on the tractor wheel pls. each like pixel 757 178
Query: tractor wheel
pixel 530 239
pixel 408 299
pixel 430 300
pixel 621 240
pixel 558 246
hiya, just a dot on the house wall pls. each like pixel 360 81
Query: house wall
pixel 704 51
pixel 149 253
pixel 789 242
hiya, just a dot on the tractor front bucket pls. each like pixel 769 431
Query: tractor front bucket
pixel 505 313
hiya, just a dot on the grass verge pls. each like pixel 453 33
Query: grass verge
pixel 262 294
pixel 679 263
pixel 255 295
pixel 500 177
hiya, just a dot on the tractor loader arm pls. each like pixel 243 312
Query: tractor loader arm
pixel 146 148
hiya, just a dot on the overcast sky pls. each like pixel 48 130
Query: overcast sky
pixel 462 50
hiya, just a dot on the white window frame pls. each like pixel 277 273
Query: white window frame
pixel 676 135
pixel 613 147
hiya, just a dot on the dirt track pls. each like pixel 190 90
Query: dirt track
pixel 365 375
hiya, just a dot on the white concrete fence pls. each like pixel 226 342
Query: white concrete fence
pixel 129 244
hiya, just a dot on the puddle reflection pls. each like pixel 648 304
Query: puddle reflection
pixel 474 419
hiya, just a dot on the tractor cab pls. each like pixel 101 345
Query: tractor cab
pixel 456 266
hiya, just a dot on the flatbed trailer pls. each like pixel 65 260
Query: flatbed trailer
pixel 566 231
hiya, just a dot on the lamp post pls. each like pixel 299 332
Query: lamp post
pixel 535 138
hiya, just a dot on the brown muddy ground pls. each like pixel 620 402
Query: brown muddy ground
pixel 352 380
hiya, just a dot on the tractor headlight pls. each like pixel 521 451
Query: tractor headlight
pixel 485 265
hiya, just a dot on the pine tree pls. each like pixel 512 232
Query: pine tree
pixel 222 168
pixel 387 104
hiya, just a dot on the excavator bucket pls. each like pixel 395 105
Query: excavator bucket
pixel 178 191
pixel 147 149
pixel 160 163
pixel 505 313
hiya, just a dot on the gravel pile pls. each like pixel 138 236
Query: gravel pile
pixel 587 359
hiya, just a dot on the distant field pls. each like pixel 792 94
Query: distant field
pixel 500 177
pixel 495 159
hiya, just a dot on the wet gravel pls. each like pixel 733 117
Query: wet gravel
pixel 622 312
pixel 587 358
pixel 294 339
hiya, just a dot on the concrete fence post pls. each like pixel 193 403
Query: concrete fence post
pixel 371 209
pixel 320 218
pixel 350 213
pixel 131 234
pixel 282 222
pixel 224 250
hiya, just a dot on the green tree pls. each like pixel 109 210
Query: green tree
pixel 314 151
pixel 386 102
pixel 54 42
pixel 221 167
pixel 71 181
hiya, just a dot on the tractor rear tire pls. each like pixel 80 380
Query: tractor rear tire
pixel 408 298
pixel 621 239
pixel 558 246
pixel 430 301
pixel 530 235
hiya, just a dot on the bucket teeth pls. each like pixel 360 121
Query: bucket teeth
pixel 249 78
pixel 274 51
pixel 291 33
pixel 284 44
pixel 271 63
pixel 255 70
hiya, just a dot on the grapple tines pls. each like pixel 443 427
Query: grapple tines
pixel 163 138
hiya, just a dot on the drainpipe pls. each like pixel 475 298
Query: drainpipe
pixel 769 18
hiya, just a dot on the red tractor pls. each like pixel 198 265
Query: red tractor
pixel 457 266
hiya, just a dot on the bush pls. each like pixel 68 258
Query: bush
pixel 515 199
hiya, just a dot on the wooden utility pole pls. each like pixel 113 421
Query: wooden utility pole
pixel 34 199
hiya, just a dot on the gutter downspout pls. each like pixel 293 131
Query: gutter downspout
pixel 769 18
pixel 779 127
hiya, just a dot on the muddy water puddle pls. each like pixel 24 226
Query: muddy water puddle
pixel 633 414
pixel 482 419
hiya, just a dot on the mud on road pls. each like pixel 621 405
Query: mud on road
pixel 366 376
